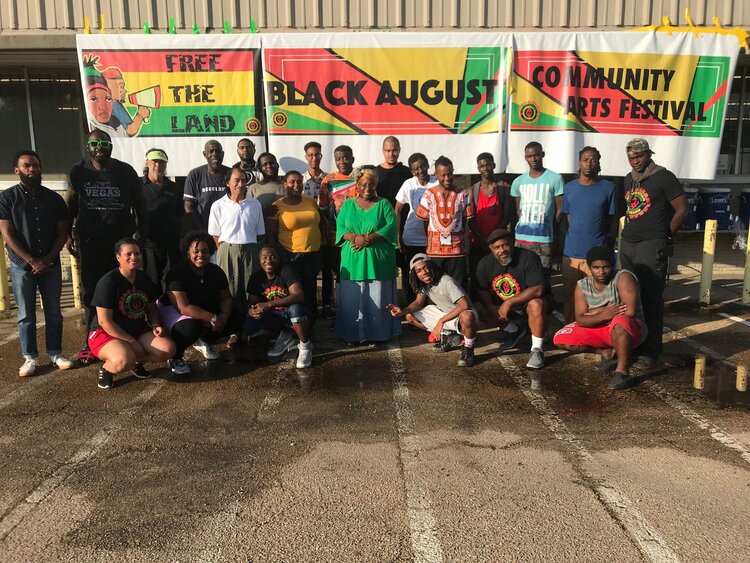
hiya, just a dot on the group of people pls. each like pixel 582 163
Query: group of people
pixel 258 240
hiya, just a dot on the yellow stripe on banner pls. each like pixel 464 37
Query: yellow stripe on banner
pixel 198 88
pixel 413 63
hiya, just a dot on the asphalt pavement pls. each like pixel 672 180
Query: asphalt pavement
pixel 390 453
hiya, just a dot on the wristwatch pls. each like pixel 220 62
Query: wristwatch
pixel 214 319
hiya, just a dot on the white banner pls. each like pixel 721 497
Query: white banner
pixel 174 92
pixel 439 93
pixel 603 89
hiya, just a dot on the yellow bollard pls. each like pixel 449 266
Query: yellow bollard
pixel 75 277
pixel 4 286
pixel 741 383
pixel 707 269
pixel 746 283
pixel 619 245
pixel 699 377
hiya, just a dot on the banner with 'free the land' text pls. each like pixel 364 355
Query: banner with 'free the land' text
pixel 173 92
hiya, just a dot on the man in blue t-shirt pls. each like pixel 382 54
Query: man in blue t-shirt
pixel 538 195
pixel 589 204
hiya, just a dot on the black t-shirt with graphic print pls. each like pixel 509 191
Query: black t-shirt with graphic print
pixel 503 282
pixel 127 300
pixel 265 289
pixel 648 210
pixel 202 291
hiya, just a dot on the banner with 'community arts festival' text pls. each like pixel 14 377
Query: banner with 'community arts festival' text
pixel 603 89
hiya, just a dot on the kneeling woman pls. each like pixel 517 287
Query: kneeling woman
pixel 197 305
pixel 127 330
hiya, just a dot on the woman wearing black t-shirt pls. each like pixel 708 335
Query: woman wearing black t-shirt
pixel 197 304
pixel 127 330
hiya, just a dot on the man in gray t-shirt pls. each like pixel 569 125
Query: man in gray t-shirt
pixel 441 307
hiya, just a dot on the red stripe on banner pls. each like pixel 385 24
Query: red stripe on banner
pixel 549 72
pixel 358 91
pixel 182 60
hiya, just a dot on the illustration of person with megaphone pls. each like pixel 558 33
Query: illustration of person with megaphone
pixel 146 100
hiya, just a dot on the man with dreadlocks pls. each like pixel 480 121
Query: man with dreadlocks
pixel 441 307
pixel 656 206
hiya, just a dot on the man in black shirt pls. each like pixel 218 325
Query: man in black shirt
pixel 164 207
pixel 246 152
pixel 391 173
pixel 655 207
pixel 34 226
pixel 277 304
pixel 511 284
pixel 104 199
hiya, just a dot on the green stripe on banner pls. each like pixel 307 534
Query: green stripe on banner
pixel 285 122
pixel 547 121
pixel 711 74
pixel 482 63
pixel 169 121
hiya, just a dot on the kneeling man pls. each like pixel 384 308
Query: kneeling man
pixel 441 307
pixel 609 317
pixel 512 285
pixel 276 303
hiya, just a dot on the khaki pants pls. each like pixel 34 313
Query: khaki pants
pixel 238 261
pixel 573 269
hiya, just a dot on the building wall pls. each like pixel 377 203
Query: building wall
pixel 123 15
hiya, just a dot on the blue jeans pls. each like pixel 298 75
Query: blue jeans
pixel 277 320
pixel 25 285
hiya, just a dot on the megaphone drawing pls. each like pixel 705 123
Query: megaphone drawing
pixel 148 97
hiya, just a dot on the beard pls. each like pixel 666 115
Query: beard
pixel 505 261
pixel 34 181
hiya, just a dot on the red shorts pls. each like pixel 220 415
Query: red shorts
pixel 600 336
pixel 99 337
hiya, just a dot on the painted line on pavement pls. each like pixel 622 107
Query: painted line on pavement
pixel 714 431
pixel 24 387
pixel 91 447
pixel 620 507
pixel 425 544
pixel 735 319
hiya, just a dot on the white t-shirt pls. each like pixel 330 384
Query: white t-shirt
pixel 236 223
pixel 410 194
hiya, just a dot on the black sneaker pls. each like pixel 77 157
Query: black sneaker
pixel 105 381
pixel 329 313
pixel 606 365
pixel 622 381
pixel 447 341
pixel 466 359
pixel 510 340
pixel 140 372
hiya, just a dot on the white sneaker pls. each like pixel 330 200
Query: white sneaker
pixel 206 350
pixel 178 366
pixel 282 344
pixel 61 361
pixel 28 368
pixel 304 358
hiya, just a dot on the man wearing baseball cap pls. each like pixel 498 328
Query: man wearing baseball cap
pixel 511 284
pixel 164 208
pixel 655 207
pixel 441 307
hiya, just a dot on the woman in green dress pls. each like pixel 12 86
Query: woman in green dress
pixel 366 231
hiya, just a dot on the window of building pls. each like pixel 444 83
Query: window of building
pixel 735 144
pixel 41 109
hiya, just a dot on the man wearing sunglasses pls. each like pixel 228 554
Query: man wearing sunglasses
pixel 104 200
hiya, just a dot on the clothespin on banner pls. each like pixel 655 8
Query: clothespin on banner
pixel 101 23
pixel 253 28
pixel 146 29
pixel 227 29
pixel 86 25
pixel 196 31
pixel 171 26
